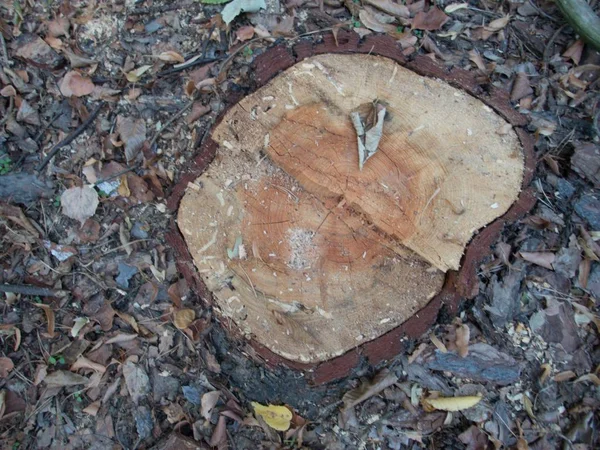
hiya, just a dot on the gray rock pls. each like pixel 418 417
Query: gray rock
pixel 483 364
pixel 588 208
pixel 504 298
pixel 126 272
pixel 192 395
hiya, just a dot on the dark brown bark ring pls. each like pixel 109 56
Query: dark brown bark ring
pixel 458 285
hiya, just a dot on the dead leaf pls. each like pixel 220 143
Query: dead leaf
pixel 544 259
pixel 40 374
pixel 49 317
pixel 451 403
pixel 521 87
pixel 462 340
pixel 133 134
pixel 476 58
pixel 171 57
pixel 220 434
pixel 431 20
pixel 593 378
pixel 64 378
pixel 59 27
pixel 455 7
pixel 184 318
pixel 575 51
pixel 121 337
pixel 79 203
pixel 6 366
pixel 389 7
pixel 277 417
pixel 371 22
pixel 84 363
pixel 78 324
pixel 245 33
pixel 135 75
pixel 564 376
pixel 75 84
pixel 382 380
pixel 498 24
pixel 92 409
pixel 208 401
pixel 137 381
pixel 77 61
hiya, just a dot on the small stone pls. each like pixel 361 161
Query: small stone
pixel 164 387
pixel 588 208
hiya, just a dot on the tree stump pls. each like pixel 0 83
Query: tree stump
pixel 343 193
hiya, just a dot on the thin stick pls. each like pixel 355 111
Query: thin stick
pixel 31 290
pixel 71 137
pixel 187 65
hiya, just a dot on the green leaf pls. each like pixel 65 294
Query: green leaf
pixel 213 2
pixel 51 360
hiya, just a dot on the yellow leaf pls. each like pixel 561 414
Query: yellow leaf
pixel 135 75
pixel 277 417
pixel 452 403
pixel 184 318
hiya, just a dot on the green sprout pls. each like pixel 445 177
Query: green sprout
pixel 5 164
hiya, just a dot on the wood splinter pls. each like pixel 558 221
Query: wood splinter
pixel 369 131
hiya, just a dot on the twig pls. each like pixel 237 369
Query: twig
pixel 196 61
pixel 116 175
pixel 187 106
pixel 31 290
pixel 71 137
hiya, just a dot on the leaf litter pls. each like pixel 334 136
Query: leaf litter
pixel 529 336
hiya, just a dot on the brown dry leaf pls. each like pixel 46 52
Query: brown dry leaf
pixel 53 42
pixel 219 435
pixel 171 57
pixel 130 320
pixel 8 91
pixel 575 51
pixel 544 259
pixel 184 318
pixel 65 378
pixel 79 203
pixel 498 24
pixel 6 366
pixel 198 110
pixel 370 21
pixel 92 409
pixel 75 84
pixel 463 335
pixel 120 338
pixel 546 371
pixel 84 363
pixel 49 317
pixel 564 376
pixel 451 403
pixel 439 344
pixel 58 27
pixel 77 61
pixel 585 266
pixel 245 33
pixel 431 20
pixel 133 135
pixel 476 58
pixel 208 402
pixel 382 380
pixel 40 374
pixel 455 7
pixel 390 7
pixel 136 379
pixel 593 378
pixel 521 87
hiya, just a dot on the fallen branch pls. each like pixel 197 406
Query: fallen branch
pixel 71 137
pixel 31 290
pixel 583 19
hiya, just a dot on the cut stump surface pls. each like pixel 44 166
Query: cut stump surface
pixel 310 254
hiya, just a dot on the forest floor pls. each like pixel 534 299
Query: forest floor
pixel 106 346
